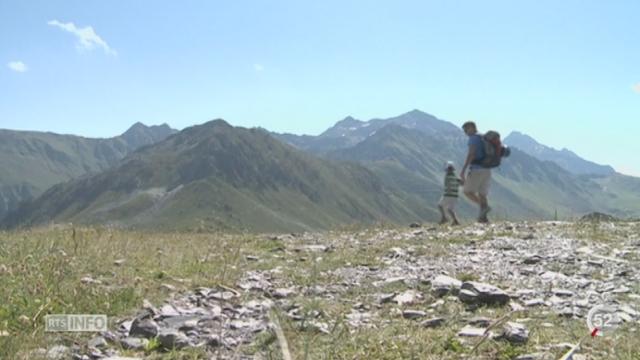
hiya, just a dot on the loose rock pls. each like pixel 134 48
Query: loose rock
pixel 98 342
pixel 433 323
pixel 479 293
pixel 413 314
pixel 409 297
pixel 515 333
pixel 145 328
pixel 133 343
pixel 535 356
pixel 442 285
pixel 170 339
pixel 480 322
pixel 58 352
pixel 469 331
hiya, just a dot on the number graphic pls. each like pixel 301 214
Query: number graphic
pixel 604 318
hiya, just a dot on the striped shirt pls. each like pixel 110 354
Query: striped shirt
pixel 451 184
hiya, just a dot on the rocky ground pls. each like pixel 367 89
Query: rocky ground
pixel 502 291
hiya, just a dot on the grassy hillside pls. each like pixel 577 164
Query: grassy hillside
pixel 620 194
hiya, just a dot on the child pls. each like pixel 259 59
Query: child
pixel 450 197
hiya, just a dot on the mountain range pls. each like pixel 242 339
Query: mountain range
pixel 410 151
pixel 218 176
pixel 31 162
pixel 349 131
pixel 565 158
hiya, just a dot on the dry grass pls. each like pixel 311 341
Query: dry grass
pixel 41 272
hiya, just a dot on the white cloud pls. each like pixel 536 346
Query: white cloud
pixel 636 87
pixel 258 67
pixel 87 38
pixel 18 66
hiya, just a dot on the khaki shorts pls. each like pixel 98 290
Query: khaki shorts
pixel 448 202
pixel 478 181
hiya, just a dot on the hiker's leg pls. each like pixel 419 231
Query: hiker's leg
pixel 484 202
pixel 443 217
pixel 473 197
pixel 472 186
pixel 483 192
pixel 454 217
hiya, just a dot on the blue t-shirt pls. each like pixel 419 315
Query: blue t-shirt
pixel 477 141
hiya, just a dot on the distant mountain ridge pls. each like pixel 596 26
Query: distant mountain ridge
pixel 565 158
pixel 139 134
pixel 225 178
pixel 31 162
pixel 349 131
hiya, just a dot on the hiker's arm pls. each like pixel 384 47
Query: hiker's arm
pixel 470 156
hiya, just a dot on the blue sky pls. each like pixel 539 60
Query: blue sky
pixel 565 72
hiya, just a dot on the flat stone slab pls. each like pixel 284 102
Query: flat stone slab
pixel 515 333
pixel 534 302
pixel 413 314
pixel 433 323
pixel 133 343
pixel 443 285
pixel 470 331
pixel 480 293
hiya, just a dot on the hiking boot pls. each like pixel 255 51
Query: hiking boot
pixel 483 220
pixel 484 211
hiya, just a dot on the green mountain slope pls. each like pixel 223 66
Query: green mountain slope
pixel 31 162
pixel 222 177
pixel 620 194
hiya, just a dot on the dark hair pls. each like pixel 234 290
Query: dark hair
pixel 469 123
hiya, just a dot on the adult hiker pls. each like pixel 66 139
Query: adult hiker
pixel 478 180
